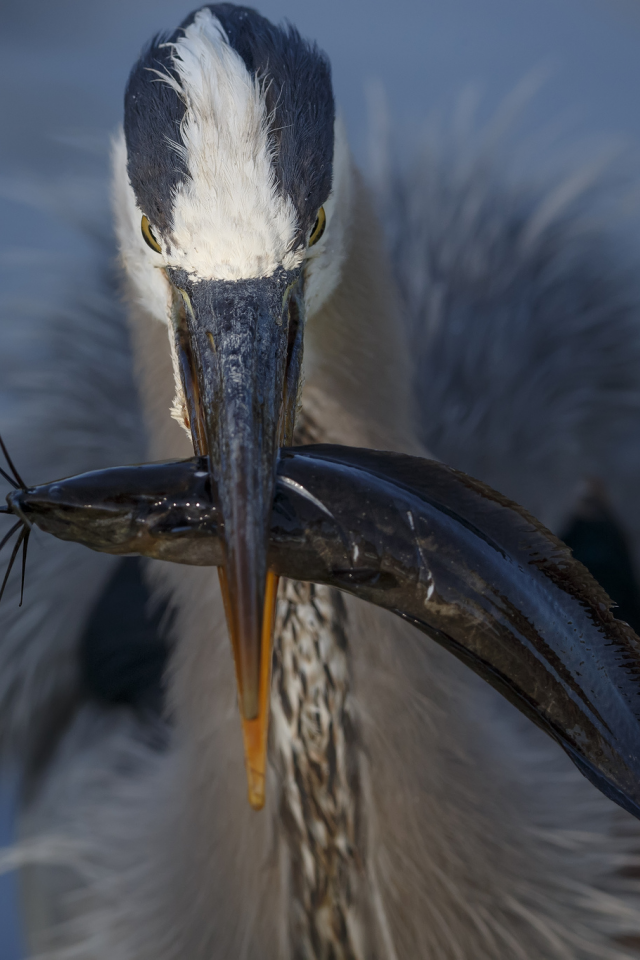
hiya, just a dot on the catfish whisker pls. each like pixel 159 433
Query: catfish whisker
pixel 8 479
pixel 25 544
pixel 12 466
pixel 14 554
pixel 10 534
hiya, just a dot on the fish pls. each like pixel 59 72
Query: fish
pixel 469 568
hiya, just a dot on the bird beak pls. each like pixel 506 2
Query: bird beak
pixel 239 345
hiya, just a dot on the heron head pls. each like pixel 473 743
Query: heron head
pixel 226 171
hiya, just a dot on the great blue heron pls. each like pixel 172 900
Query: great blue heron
pixel 407 812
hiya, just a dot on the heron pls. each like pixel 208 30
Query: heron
pixel 404 811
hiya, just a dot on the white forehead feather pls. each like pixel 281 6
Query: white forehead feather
pixel 324 261
pixel 229 221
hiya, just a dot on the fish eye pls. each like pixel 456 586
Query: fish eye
pixel 318 227
pixel 148 236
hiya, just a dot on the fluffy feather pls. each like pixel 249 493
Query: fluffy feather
pixel 477 837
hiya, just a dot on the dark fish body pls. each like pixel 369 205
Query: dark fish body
pixel 439 549
pixel 160 510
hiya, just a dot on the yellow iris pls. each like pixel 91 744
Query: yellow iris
pixel 149 238
pixel 318 227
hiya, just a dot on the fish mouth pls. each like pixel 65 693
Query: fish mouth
pixel 239 347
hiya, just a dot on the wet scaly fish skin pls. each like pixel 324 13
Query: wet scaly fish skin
pixel 462 563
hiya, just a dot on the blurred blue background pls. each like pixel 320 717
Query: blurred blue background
pixel 64 63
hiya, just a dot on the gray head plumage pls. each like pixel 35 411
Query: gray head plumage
pixel 296 80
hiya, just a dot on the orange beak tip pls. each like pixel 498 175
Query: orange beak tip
pixel 255 731
pixel 256 791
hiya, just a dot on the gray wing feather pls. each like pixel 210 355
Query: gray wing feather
pixel 525 326
pixel 67 404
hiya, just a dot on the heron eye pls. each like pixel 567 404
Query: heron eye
pixel 149 238
pixel 318 227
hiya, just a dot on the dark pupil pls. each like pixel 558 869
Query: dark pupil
pixel 315 226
